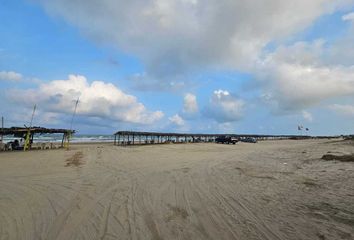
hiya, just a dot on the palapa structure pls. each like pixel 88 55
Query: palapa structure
pixel 22 132
pixel 142 138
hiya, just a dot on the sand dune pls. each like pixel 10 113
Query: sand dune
pixel 269 190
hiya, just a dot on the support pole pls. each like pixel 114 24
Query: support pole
pixel 68 137
pixel 62 141
pixel 31 142
pixel 27 140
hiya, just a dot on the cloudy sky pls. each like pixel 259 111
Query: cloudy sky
pixel 213 66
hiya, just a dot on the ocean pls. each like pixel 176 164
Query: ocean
pixel 58 138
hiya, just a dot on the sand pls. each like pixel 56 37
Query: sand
pixel 269 190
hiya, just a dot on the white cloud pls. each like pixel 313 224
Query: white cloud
pixel 10 76
pixel 190 105
pixel 97 99
pixel 348 17
pixel 307 116
pixel 295 77
pixel 347 110
pixel 224 107
pixel 175 37
pixel 177 120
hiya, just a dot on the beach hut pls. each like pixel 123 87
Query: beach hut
pixel 28 133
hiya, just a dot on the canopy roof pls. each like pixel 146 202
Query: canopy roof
pixel 133 133
pixel 21 131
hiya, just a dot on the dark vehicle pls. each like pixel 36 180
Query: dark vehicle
pixel 249 140
pixel 15 145
pixel 226 139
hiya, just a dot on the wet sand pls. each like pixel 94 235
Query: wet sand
pixel 269 190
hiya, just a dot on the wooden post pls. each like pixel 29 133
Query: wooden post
pixel 31 142
pixel 62 141
pixel 27 139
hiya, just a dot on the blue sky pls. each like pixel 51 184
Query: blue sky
pixel 179 65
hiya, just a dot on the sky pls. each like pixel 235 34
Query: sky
pixel 201 66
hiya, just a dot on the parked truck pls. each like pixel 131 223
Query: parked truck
pixel 226 139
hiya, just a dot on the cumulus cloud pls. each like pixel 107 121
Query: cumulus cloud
pixel 10 76
pixel 295 77
pixel 347 110
pixel 224 107
pixel 177 120
pixel 176 37
pixel 190 105
pixel 97 99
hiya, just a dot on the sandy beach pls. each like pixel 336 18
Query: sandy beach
pixel 269 190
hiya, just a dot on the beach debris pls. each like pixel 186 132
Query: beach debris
pixel 341 158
